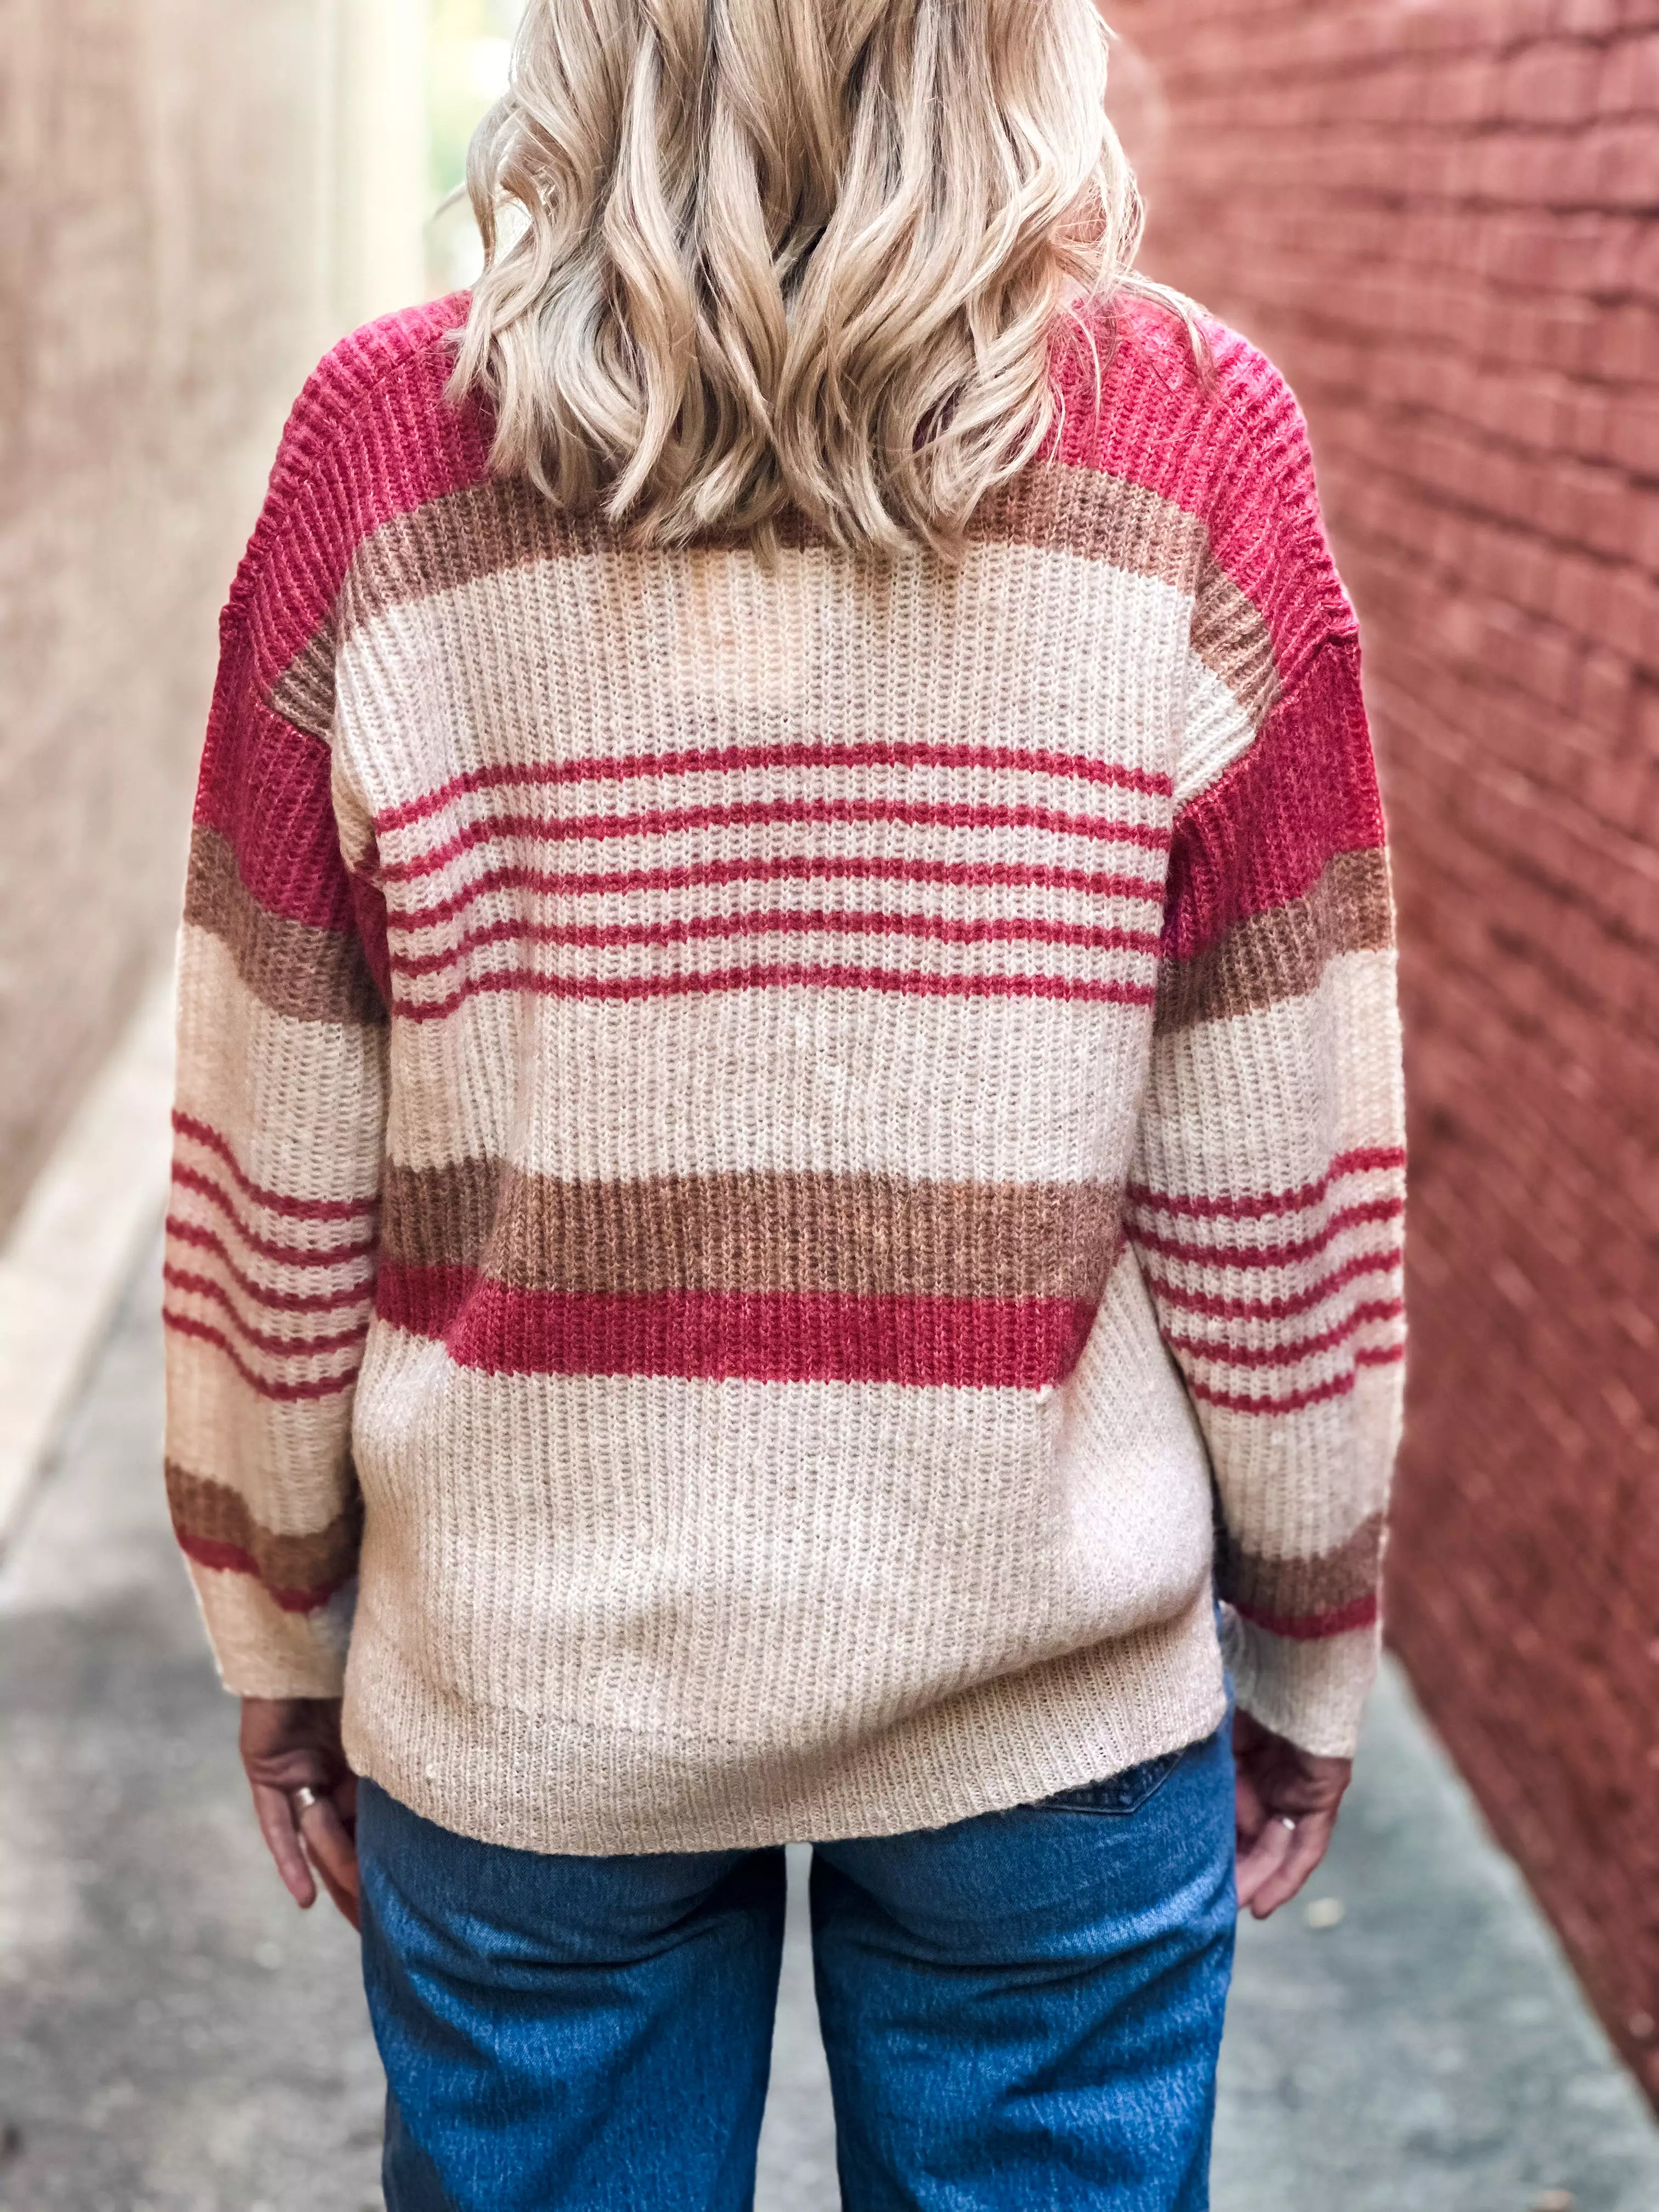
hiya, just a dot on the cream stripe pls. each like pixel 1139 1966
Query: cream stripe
pixel 234 1311
pixel 285 1455
pixel 272 1086
pixel 1218 732
pixel 1302 1482
pixel 1298 1210
pixel 1317 1690
pixel 1018 851
pixel 904 954
pixel 1265 1101
pixel 993 1090
pixel 1293 1279
pixel 806 895
pixel 263 1651
pixel 1215 1372
pixel 590 791
pixel 888 1554
pixel 202 1216
pixel 1022 648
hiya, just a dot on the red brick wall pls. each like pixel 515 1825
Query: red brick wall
pixel 1443 220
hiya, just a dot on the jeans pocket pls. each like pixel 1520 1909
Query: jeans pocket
pixel 1117 1793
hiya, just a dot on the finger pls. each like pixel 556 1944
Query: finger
pixel 275 1811
pixel 333 1851
pixel 1262 1860
pixel 1308 1847
pixel 345 1902
pixel 1249 1813
pixel 334 1854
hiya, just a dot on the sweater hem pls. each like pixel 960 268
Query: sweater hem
pixel 543 1782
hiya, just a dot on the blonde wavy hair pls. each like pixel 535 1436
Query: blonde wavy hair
pixel 789 253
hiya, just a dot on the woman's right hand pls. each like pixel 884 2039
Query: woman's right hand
pixel 289 1743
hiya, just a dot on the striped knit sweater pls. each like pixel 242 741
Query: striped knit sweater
pixel 775 1162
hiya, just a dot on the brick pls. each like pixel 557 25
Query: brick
pixel 1556 82
pixel 1630 77
pixel 1463 284
pixel 1626 158
pixel 1628 350
pixel 1634 434
pixel 1587 18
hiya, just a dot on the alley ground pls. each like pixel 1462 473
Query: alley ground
pixel 177 2039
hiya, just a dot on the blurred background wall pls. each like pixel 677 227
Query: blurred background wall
pixel 1441 220
pixel 196 197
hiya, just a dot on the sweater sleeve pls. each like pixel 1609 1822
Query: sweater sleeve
pixel 278 1131
pixel 1266 1198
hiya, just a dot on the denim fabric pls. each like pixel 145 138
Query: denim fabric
pixel 1019 2010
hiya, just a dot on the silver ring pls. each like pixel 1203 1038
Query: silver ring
pixel 303 1799
pixel 1285 1821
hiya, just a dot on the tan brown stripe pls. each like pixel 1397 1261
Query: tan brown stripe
pixel 308 974
pixel 1301 1588
pixel 304 693
pixel 1099 517
pixel 1281 954
pixel 212 1513
pixel 487 528
pixel 1234 644
pixel 865 1236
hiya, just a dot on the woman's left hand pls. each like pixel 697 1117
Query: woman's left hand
pixel 294 1743
pixel 1287 1802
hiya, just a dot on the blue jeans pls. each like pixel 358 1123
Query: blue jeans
pixel 1019 2010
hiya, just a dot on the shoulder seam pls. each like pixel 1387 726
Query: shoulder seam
pixel 337 421
pixel 1295 490
pixel 1290 691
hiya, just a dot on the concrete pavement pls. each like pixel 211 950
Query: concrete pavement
pixel 176 2038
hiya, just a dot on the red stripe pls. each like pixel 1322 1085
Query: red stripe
pixel 732 759
pixel 264 788
pixel 792 867
pixel 1134 409
pixel 1287 1355
pixel 1316 1394
pixel 231 1559
pixel 1263 834
pixel 300 1209
pixel 1358 1613
pixel 180 1231
pixel 773 976
pixel 290 1255
pixel 788 922
pixel 1268 1255
pixel 375 408
pixel 289 1348
pixel 665 821
pixel 773 1336
pixel 325 1386
pixel 1362 1161
pixel 1363 1263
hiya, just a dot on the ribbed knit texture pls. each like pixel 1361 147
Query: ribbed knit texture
pixel 761 1149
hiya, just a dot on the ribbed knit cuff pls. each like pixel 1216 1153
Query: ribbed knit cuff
pixel 1310 1690
pixel 263 1651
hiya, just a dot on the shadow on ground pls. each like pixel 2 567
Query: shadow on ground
pixel 177 2038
